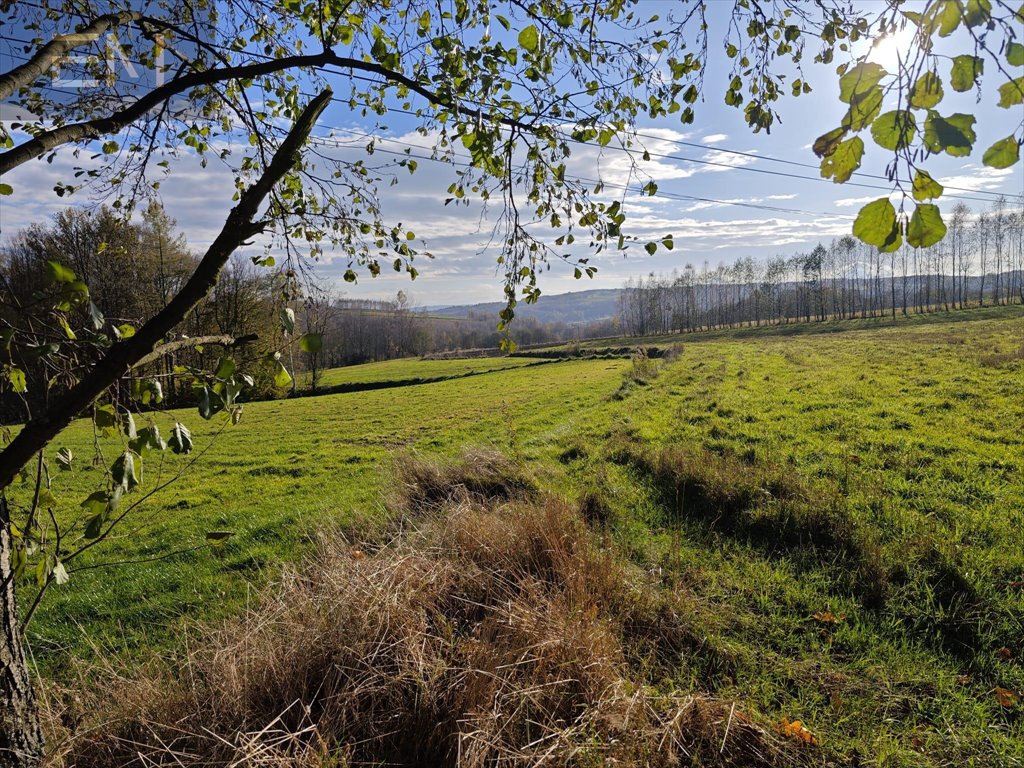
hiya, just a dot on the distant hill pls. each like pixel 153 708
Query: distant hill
pixel 575 307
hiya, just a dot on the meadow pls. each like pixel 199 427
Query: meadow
pixel 839 509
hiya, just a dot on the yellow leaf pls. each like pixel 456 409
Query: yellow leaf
pixel 796 730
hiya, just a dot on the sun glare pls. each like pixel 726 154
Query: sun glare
pixel 888 50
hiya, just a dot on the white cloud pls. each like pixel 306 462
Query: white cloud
pixel 715 138
pixel 726 161
pixel 848 202
pixel 973 177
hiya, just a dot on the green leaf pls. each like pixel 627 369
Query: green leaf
pixel 953 135
pixel 965 72
pixel 841 164
pixel 1002 154
pixel 947 15
pixel 894 129
pixel 977 12
pixel 63 323
pixel 864 108
pixel 106 420
pixel 651 248
pixel 1014 56
pixel 96 503
pixel 826 143
pixel 17 378
pixel 225 368
pixel 209 403
pixel 1011 93
pixel 926 227
pixel 925 187
pixel 72 294
pixel 875 222
pixel 282 378
pixel 181 439
pixel 311 342
pixel 859 80
pixel 893 242
pixel 926 92
pixel 148 439
pixel 59 273
pixel 6 189
pixel 529 38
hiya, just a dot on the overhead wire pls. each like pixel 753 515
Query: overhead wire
pixel 653 154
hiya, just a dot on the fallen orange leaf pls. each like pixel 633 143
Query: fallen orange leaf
pixel 1004 653
pixel 1006 697
pixel 797 730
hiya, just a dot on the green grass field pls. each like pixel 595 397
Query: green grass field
pixel 289 467
pixel 842 505
pixel 914 434
pixel 409 369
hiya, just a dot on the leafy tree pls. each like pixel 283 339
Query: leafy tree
pixel 516 85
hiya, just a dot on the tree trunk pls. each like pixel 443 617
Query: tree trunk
pixel 21 738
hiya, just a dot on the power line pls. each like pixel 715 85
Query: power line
pixel 659 155
pixel 329 141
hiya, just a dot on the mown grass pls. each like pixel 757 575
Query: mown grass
pixel 849 508
pixel 839 512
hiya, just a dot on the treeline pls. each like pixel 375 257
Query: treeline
pixel 980 262
pixel 131 269
pixel 128 271
pixel 360 331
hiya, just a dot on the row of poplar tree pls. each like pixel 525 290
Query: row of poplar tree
pixel 979 262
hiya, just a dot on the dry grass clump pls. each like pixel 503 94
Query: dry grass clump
pixel 494 633
pixel 479 475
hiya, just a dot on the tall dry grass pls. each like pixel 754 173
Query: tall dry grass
pixel 489 630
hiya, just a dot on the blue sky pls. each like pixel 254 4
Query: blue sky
pixel 808 210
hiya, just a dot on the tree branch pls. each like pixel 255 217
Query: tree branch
pixel 238 227
pixel 92 129
pixel 46 56
pixel 194 341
